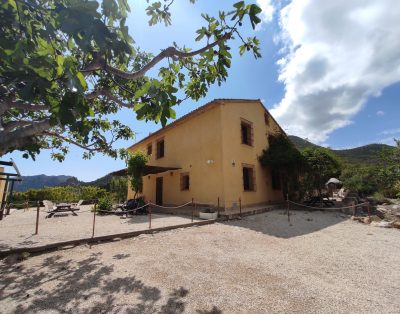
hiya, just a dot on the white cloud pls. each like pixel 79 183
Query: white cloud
pixel 392 131
pixel 380 113
pixel 387 141
pixel 337 54
pixel 267 10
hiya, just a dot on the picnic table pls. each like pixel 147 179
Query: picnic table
pixel 324 200
pixel 62 208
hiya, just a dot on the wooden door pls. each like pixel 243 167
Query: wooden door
pixel 159 191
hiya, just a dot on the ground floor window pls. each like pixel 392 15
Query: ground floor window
pixel 248 178
pixel 185 181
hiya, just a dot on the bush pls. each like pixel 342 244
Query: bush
pixel 61 194
pixel 380 198
pixel 104 203
pixel 396 188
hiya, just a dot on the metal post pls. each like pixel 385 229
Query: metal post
pixel 150 216
pixel 94 217
pixel 240 207
pixel 193 204
pixel 37 218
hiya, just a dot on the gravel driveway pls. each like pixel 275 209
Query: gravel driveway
pixel 17 230
pixel 317 263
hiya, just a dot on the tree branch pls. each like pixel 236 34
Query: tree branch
pixel 22 136
pixel 9 126
pixel 9 103
pixel 106 93
pixel 99 62
pixel 64 138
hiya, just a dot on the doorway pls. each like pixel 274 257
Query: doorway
pixel 159 191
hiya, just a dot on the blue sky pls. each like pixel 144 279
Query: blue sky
pixel 319 79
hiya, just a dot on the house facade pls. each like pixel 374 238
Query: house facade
pixel 213 152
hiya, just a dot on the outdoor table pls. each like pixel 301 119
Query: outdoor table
pixel 60 208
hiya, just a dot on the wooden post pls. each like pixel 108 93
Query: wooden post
pixel 150 216
pixel 8 208
pixel 94 217
pixel 369 211
pixel 27 205
pixel 9 199
pixel 288 207
pixel 354 209
pixel 240 207
pixel 218 208
pixel 193 208
pixel 37 218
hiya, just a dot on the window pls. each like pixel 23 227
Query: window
pixel 149 149
pixel 160 149
pixel 247 132
pixel 185 182
pixel 248 178
pixel 276 179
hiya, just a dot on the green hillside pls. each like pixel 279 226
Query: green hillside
pixel 367 154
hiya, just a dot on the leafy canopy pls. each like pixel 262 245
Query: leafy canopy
pixel 281 154
pixel 321 165
pixel 382 177
pixel 67 66
pixel 136 164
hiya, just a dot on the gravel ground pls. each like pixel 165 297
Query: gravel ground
pixel 17 229
pixel 317 263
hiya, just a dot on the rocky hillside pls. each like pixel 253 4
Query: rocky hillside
pixel 39 181
pixel 367 154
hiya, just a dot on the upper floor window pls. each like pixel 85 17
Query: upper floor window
pixel 247 132
pixel 248 178
pixel 160 148
pixel 185 181
pixel 149 149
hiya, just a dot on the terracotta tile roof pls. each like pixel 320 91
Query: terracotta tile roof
pixel 201 109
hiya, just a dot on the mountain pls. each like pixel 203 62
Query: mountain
pixel 103 182
pixel 301 143
pixel 367 154
pixel 39 181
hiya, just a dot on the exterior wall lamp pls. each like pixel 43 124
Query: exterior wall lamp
pixel 233 163
pixel 210 161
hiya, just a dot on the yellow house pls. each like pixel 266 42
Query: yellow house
pixel 211 155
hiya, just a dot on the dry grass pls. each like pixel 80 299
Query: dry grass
pixel 319 262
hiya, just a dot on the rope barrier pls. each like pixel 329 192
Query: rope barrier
pixel 168 207
pixel 123 211
pixel 303 205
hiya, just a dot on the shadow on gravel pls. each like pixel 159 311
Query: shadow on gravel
pixel 275 223
pixel 63 285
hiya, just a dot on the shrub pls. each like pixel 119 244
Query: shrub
pixel 104 203
pixel 380 198
pixel 396 189
pixel 60 194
